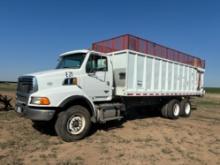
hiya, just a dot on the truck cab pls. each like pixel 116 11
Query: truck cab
pixel 81 78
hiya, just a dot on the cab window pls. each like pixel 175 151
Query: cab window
pixel 96 63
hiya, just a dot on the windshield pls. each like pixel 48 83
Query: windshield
pixel 71 61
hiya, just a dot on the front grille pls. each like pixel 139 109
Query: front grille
pixel 26 85
pixel 22 98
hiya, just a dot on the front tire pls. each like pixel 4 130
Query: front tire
pixel 73 124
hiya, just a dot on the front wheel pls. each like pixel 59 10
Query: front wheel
pixel 73 124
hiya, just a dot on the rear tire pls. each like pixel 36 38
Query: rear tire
pixel 164 110
pixel 186 108
pixel 173 109
pixel 73 124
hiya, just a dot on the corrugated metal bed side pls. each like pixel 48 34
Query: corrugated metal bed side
pixel 141 74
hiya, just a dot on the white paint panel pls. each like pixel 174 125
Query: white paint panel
pixel 170 75
pixel 152 75
pixel 140 72
pixel 163 75
pixel 175 77
pixel 130 71
pixel 156 74
pixel 149 72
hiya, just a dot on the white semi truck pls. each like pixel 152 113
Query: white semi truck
pixel 98 85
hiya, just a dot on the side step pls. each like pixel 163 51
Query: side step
pixel 111 118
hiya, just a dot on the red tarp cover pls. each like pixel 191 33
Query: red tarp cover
pixel 131 42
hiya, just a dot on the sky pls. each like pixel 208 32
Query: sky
pixel 34 33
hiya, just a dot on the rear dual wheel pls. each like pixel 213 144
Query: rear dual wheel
pixel 174 108
pixel 185 108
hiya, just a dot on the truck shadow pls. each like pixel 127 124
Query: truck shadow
pixel 136 113
pixel 45 127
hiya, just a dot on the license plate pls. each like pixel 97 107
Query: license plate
pixel 19 109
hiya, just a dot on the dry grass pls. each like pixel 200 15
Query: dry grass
pixel 150 140
pixel 8 87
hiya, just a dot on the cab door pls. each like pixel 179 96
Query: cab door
pixel 98 78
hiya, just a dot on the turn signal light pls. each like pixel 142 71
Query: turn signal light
pixel 40 100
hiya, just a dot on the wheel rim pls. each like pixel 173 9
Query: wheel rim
pixel 76 124
pixel 176 110
pixel 187 108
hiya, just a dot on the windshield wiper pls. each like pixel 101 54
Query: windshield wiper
pixel 70 67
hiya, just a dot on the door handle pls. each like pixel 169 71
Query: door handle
pixel 106 91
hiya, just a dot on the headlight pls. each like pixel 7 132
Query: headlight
pixel 40 100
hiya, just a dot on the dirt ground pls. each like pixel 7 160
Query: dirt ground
pixel 145 138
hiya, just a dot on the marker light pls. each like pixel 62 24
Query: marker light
pixel 75 81
pixel 70 81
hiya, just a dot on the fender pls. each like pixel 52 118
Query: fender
pixel 87 101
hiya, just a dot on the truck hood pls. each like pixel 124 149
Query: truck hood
pixel 52 72
pixel 53 78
